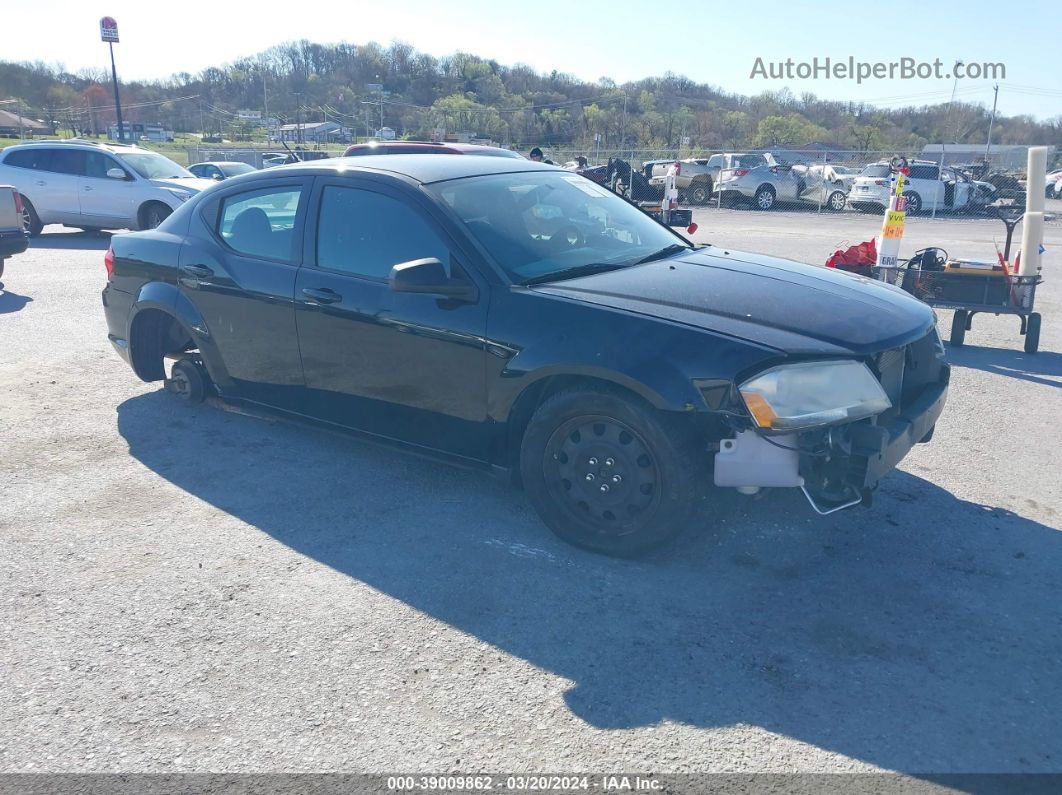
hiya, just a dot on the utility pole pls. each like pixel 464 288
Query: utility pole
pixel 298 115
pixel 21 134
pixel 991 121
pixel 265 102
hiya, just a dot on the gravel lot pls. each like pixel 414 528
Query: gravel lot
pixel 190 589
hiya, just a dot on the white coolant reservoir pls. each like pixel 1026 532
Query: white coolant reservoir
pixel 750 460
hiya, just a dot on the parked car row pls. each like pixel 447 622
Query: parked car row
pixel 763 181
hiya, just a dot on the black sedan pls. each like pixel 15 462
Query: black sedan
pixel 517 317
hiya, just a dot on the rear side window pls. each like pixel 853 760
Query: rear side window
pixel 35 158
pixel 366 234
pixel 924 172
pixel 261 223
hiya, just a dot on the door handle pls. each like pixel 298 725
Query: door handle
pixel 322 296
pixel 198 271
pixel 86 187
pixel 40 182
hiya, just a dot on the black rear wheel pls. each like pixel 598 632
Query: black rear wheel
pixel 958 328
pixel 609 473
pixel 188 381
pixel 31 222
pixel 1032 333
pixel 699 193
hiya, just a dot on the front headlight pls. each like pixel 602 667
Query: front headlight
pixel 808 394
pixel 180 195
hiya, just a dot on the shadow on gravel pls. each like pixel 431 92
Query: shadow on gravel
pixel 921 635
pixel 1044 367
pixel 11 302
pixel 89 241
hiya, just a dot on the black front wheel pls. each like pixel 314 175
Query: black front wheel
pixel 609 473
pixel 154 214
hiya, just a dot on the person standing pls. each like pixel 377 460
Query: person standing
pixel 538 157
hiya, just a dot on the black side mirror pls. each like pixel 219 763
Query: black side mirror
pixel 429 276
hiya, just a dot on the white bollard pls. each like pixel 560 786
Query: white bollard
pixel 1036 180
pixel 1032 235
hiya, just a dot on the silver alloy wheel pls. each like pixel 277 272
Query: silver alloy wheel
pixel 765 198
pixel 836 200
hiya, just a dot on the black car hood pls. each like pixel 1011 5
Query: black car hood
pixel 792 307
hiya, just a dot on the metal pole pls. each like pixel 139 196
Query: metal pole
pixel 822 188
pixel 21 134
pixel 265 102
pixel 117 101
pixel 991 121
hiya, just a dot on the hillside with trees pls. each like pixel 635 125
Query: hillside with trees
pixel 511 104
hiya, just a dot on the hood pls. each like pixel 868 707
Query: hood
pixel 786 305
pixel 192 184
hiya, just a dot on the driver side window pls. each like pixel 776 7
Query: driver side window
pixel 364 233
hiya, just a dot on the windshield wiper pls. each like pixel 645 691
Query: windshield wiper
pixel 666 251
pixel 572 273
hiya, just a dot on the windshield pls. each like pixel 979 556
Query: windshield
pixel 876 170
pixel 535 224
pixel 153 166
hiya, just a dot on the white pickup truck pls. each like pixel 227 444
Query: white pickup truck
pixel 13 238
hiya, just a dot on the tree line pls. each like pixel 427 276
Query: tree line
pixel 366 86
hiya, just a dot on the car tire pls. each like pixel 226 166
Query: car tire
pixel 607 472
pixel 914 203
pixel 764 197
pixel 699 193
pixel 958 328
pixel 836 201
pixel 1032 333
pixel 187 381
pixel 31 222
pixel 153 214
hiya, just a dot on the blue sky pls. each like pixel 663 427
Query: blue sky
pixel 715 43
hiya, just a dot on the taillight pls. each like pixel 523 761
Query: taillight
pixel 740 172
pixel 108 262
pixel 18 203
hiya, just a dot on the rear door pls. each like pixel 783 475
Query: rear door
pixel 237 268
pixel 51 182
pixel 407 366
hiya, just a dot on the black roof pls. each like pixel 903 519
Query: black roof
pixel 423 168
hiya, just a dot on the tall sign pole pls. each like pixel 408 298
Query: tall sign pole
pixel 109 34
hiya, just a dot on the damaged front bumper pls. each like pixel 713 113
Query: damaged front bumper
pixel 836 467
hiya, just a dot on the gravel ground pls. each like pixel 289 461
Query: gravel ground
pixel 190 589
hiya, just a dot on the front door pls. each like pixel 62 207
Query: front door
pixel 106 201
pixel 403 365
pixel 237 268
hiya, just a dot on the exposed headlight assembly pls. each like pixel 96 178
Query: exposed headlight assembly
pixel 811 394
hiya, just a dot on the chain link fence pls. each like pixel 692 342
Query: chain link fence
pixel 955 183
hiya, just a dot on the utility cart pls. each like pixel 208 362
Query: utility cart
pixel 970 287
